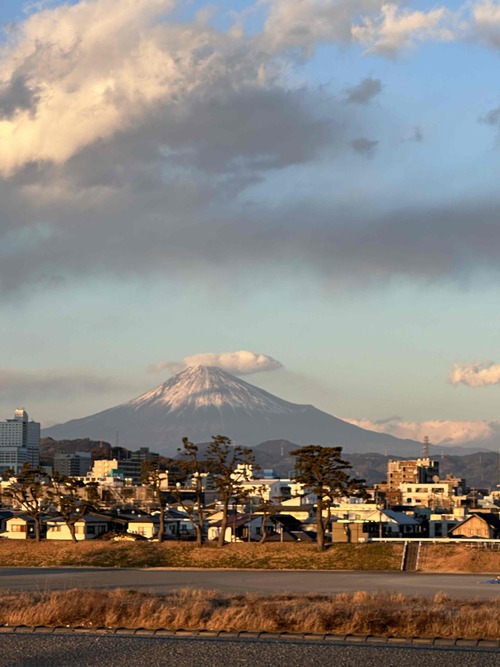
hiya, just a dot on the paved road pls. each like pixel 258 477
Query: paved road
pixel 90 651
pixel 259 581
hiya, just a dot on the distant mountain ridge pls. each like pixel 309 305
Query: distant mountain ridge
pixel 202 401
pixel 480 469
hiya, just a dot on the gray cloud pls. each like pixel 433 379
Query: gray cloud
pixel 364 91
pixel 492 117
pixel 16 96
pixel 418 135
pixel 21 386
pixel 190 230
pixel 363 146
pixel 165 190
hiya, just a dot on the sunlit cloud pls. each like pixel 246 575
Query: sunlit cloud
pixel 242 362
pixel 475 374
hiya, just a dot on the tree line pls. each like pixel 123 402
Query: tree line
pixel 320 470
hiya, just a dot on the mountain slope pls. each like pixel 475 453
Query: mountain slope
pixel 202 401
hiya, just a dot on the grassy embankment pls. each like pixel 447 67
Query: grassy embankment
pixel 374 556
pixel 363 613
pixel 175 554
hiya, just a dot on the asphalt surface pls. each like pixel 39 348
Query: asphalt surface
pixel 90 651
pixel 258 581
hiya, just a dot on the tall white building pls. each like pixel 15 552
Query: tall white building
pixel 19 442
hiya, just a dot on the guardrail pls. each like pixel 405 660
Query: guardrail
pixel 437 540
pixel 227 635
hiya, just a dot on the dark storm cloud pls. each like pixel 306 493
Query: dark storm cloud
pixel 364 91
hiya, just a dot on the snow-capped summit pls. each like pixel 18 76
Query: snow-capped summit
pixel 202 401
pixel 210 386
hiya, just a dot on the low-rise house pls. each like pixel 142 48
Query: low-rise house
pixel 302 512
pixel 285 528
pixel 88 527
pixel 482 525
pixel 177 525
pixel 354 530
pixel 395 524
pixel 4 515
pixel 439 525
pixel 22 527
pixel 240 528
pixel 378 524
pixel 352 510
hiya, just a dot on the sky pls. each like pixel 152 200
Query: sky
pixel 304 192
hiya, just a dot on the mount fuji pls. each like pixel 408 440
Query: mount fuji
pixel 202 401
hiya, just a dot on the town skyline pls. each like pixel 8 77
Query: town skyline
pixel 302 192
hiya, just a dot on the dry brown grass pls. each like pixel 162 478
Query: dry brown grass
pixel 365 613
pixel 272 556
pixel 458 558
pixel 23 553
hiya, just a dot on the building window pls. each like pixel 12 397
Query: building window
pixel 18 528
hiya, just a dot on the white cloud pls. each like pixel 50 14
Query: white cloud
pixel 475 374
pixel 485 25
pixel 440 432
pixel 98 68
pixel 395 29
pixel 302 24
pixel 242 362
pixel 172 367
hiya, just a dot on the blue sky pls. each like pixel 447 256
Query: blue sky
pixel 314 181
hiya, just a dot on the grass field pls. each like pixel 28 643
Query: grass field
pixel 364 613
pixel 373 556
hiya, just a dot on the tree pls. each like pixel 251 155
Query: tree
pixel 30 488
pixel 267 508
pixel 230 467
pixel 153 477
pixel 66 496
pixel 322 471
pixel 191 468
